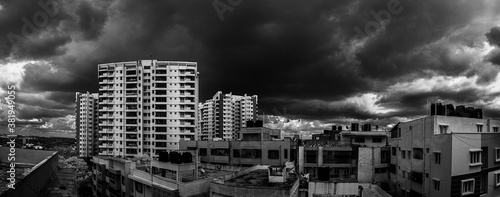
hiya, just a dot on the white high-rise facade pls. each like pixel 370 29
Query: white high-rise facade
pixel 86 123
pixel 224 114
pixel 146 106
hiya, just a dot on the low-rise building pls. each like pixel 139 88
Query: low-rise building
pixel 257 146
pixel 117 177
pixel 445 156
pixel 359 155
pixel 260 180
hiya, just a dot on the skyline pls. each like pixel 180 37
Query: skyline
pixel 319 61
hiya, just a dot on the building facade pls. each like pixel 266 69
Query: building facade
pixel 258 146
pixel 146 106
pixel 225 114
pixel 86 123
pixel 361 156
pixel 445 156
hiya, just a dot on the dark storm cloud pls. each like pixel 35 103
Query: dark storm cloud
pixel 22 27
pixel 30 112
pixel 293 52
pixel 494 36
pixel 395 51
pixel 90 19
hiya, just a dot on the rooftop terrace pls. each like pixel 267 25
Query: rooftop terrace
pixel 258 178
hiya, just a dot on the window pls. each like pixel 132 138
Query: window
pixel 359 140
pixel 380 170
pixel 497 154
pixel 377 140
pixel 403 154
pixel 467 186
pixel 475 157
pixel 479 128
pixel 393 151
pixel 311 156
pixel 443 129
pixel 236 153
pixel 497 179
pixel 418 153
pixel 138 187
pixel 273 154
pixel 436 184
pixel 416 177
pixel 404 174
pixel 203 152
pixel 285 153
pixel 495 129
pixel 385 156
pixel 399 132
pixel 437 157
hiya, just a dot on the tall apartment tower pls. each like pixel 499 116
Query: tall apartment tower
pixel 146 106
pixel 225 114
pixel 86 123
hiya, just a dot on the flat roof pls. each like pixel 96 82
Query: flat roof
pixel 258 178
pixel 365 133
pixel 26 156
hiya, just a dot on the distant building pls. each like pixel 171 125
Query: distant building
pixel 445 156
pixel 225 114
pixel 257 146
pixel 86 124
pixel 146 106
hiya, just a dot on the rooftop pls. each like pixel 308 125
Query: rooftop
pixel 365 133
pixel 25 156
pixel 258 178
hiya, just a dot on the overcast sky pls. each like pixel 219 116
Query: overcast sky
pixel 324 61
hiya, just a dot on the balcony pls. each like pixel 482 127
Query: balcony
pixel 106 138
pixel 106 153
pixel 142 176
pixel 106 146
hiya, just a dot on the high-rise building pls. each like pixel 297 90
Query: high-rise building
pixel 146 106
pixel 86 123
pixel 225 114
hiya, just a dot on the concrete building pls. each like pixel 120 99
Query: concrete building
pixel 146 106
pixel 225 114
pixel 33 171
pixel 445 156
pixel 110 176
pixel 362 156
pixel 257 146
pixel 117 177
pixel 258 180
pixel 86 124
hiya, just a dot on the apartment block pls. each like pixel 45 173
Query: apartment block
pixel 258 146
pixel 358 156
pixel 133 177
pixel 86 123
pixel 225 114
pixel 146 106
pixel 110 176
pixel 441 155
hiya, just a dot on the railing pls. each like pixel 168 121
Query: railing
pixel 156 179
